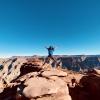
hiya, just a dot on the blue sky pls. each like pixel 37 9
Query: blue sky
pixel 27 26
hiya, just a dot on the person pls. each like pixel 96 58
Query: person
pixel 50 51
pixel 50 55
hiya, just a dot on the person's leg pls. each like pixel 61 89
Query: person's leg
pixel 54 61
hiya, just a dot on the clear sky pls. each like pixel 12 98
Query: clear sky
pixel 27 26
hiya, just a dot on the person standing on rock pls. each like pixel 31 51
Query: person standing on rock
pixel 50 59
pixel 50 51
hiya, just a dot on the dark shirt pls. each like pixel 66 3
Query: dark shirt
pixel 50 51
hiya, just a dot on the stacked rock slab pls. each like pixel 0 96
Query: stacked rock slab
pixel 41 88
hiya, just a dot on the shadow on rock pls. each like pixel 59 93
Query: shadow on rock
pixel 88 88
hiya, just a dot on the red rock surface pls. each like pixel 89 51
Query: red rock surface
pixel 31 79
pixel 88 88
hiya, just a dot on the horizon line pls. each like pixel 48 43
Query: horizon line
pixel 47 55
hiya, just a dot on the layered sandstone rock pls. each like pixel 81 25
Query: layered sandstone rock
pixel 28 79
pixel 31 79
pixel 40 88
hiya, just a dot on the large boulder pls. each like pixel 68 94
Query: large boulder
pixel 40 88
pixel 88 88
pixel 91 83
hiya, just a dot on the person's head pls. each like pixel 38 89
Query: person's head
pixel 51 47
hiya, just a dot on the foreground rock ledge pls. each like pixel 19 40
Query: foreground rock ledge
pixel 23 79
pixel 40 88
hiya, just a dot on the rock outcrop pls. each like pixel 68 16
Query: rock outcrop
pixel 40 88
pixel 88 88
pixel 30 79
pixel 81 62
